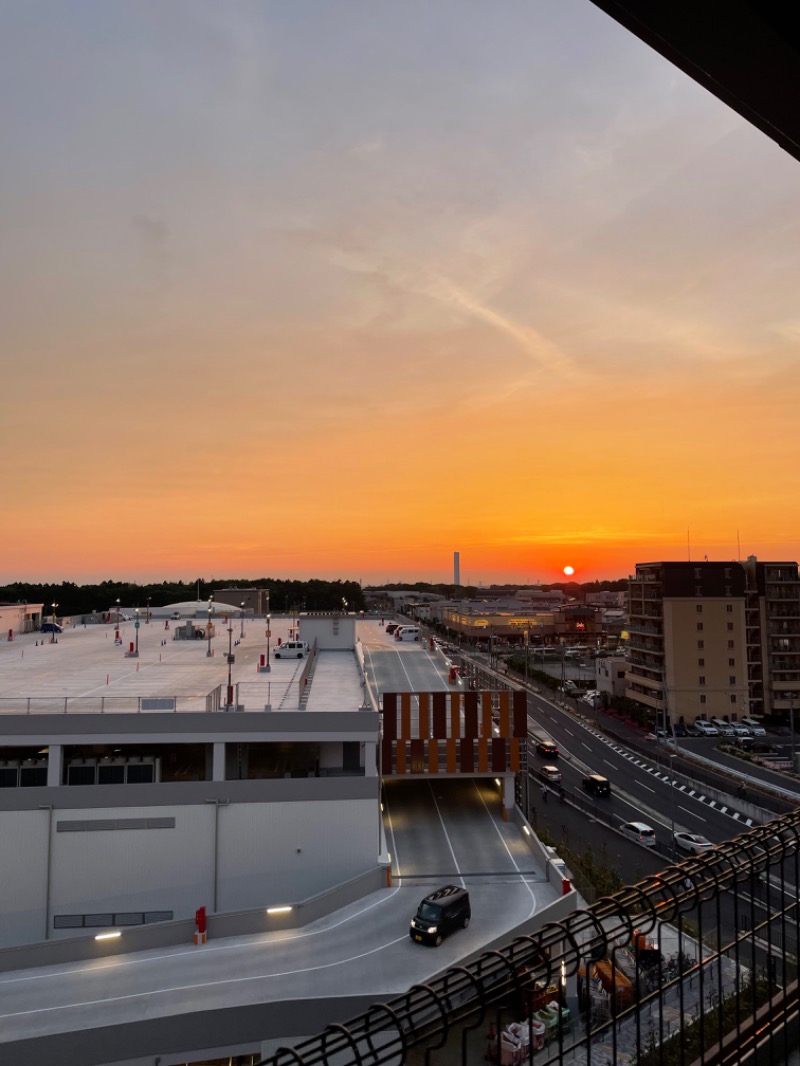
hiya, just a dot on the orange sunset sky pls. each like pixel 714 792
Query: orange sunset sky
pixel 302 289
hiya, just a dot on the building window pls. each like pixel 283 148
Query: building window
pixel 728 590
pixel 727 573
pixel 701 662
pixel 698 607
pixel 699 627
pixel 732 679
pixel 731 662
pixel 730 643
pixel 698 591
pixel 733 699
pixel 729 608
pixel 698 573
pixel 730 627
pixel 702 699
pixel 701 680
pixel 701 644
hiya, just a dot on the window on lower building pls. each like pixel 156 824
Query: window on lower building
pixel 701 644
pixel 730 644
pixel 729 608
pixel 731 662
pixel 699 627
pixel 702 699
pixel 732 679
pixel 701 662
pixel 698 607
pixel 733 699
pixel 701 680
pixel 730 627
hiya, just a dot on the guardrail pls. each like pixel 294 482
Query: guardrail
pixel 625 980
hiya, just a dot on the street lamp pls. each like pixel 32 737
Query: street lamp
pixel 147 617
pixel 117 612
pixel 208 626
pixel 268 667
pixel 241 631
pixel 53 634
pixel 136 629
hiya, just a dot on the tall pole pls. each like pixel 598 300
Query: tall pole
pixel 118 616
pixel 208 626
pixel 241 607
pixel 229 700
pixel 791 727
pixel 527 649
pixel 269 634
pixel 147 617
pixel 136 630
pixel 53 634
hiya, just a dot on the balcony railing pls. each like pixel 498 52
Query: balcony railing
pixel 625 980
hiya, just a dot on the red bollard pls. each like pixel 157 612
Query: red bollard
pixel 200 923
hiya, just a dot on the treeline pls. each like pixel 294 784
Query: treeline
pixel 284 596
pixel 576 589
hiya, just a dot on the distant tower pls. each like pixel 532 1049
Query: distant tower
pixel 456 568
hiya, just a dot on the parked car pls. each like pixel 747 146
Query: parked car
pixel 725 729
pixel 51 627
pixel 692 842
pixel 390 628
pixel 680 730
pixel 291 649
pixel 756 729
pixel 740 730
pixel 705 729
pixel 440 913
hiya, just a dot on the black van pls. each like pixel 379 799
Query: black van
pixel 440 913
pixel 597 785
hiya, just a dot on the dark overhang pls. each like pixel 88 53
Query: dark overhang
pixel 745 53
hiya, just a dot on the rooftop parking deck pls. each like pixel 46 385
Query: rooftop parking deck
pixel 84 670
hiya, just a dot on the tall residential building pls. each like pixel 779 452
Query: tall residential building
pixel 687 640
pixel 773 637
pixel 456 568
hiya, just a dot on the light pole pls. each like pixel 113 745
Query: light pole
pixel 527 649
pixel 117 615
pixel 229 700
pixel 791 725
pixel 53 634
pixel 136 630
pixel 268 667
pixel 208 626
pixel 241 631
pixel 147 617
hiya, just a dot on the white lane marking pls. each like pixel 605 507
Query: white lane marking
pixel 647 787
pixel 258 941
pixel 395 853
pixel 570 732
pixel 446 837
pixel 697 816
pixel 207 984
pixel 586 746
pixel 611 764
pixel 505 845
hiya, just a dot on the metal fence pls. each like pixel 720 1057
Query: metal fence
pixel 696 965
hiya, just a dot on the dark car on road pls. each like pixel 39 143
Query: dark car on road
pixel 440 913
pixel 547 748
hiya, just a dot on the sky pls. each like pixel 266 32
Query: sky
pixel 304 289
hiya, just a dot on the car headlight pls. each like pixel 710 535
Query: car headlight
pixel 431 928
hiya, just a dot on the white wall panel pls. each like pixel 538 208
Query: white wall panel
pixel 285 852
pixel 135 869
pixel 23 876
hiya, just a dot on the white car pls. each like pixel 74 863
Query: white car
pixel 740 730
pixel 693 843
pixel 725 729
pixel 756 729
pixel 705 729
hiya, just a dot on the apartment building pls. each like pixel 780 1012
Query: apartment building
pixel 773 637
pixel 688 640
